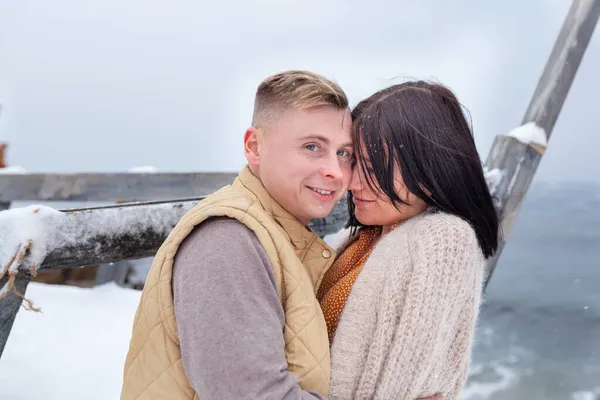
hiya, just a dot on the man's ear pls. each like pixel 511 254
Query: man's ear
pixel 251 139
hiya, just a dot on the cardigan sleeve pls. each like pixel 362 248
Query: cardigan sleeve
pixel 435 292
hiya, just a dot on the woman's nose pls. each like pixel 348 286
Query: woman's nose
pixel 355 182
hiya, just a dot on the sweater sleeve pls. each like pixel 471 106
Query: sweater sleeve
pixel 435 293
pixel 229 317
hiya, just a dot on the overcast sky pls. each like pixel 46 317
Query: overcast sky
pixel 108 85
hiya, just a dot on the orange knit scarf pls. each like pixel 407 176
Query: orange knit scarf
pixel 338 280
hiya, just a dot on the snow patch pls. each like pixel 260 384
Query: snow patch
pixel 146 169
pixel 15 169
pixel 24 232
pixel 530 133
pixel 74 349
pixel 494 178
pixel 20 227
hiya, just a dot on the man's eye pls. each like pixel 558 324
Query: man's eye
pixel 345 154
pixel 312 147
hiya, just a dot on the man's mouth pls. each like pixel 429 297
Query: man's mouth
pixel 323 192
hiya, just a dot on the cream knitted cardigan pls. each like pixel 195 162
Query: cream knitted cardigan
pixel 407 327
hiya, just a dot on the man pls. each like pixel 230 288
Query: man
pixel 229 308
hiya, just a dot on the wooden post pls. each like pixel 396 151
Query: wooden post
pixel 9 306
pixel 514 157
pixel 11 303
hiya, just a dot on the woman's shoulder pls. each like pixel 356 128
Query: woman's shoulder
pixel 438 229
pixel 444 223
pixel 445 248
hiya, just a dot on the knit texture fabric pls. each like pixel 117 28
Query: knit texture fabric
pixel 338 280
pixel 407 328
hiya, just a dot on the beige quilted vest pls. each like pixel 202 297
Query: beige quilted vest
pixel 154 369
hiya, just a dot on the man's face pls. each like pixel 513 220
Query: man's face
pixel 304 160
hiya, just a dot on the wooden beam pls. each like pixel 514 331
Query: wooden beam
pixel 97 235
pixel 107 234
pixel 110 186
pixel 513 160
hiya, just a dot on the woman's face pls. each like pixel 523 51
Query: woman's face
pixel 374 207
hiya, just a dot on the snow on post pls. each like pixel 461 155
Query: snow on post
pixel 493 179
pixel 530 133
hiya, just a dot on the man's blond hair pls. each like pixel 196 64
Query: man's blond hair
pixel 295 90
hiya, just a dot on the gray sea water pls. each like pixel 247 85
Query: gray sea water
pixel 539 331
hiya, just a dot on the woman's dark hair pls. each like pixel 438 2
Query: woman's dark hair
pixel 421 126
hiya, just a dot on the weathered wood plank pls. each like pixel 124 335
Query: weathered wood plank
pixel 99 235
pixel 515 161
pixel 110 187
pixel 10 304
pixel 129 231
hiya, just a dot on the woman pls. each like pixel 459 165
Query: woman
pixel 401 302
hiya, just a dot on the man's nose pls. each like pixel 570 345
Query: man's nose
pixel 332 169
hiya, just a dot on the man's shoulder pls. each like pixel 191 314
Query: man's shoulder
pixel 222 223
pixel 220 246
pixel 219 231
